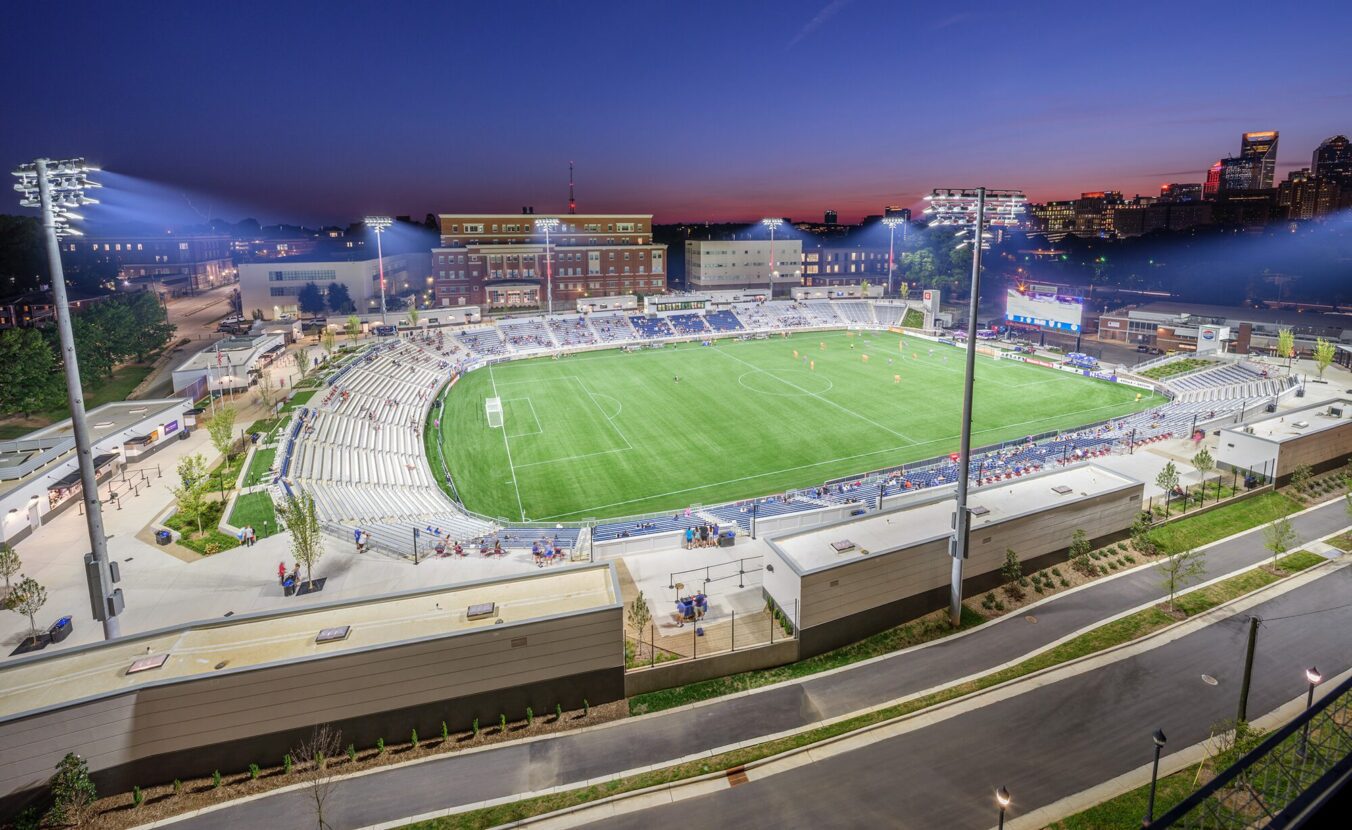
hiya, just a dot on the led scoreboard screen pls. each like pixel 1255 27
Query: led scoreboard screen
pixel 1048 311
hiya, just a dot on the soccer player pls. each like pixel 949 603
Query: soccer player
pixel 896 378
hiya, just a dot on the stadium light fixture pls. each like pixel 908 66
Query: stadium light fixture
pixel 546 225
pixel 57 188
pixel 971 209
pixel 892 222
pixel 1002 798
pixel 772 223
pixel 379 224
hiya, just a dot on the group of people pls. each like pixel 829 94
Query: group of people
pixel 701 536
pixel 246 536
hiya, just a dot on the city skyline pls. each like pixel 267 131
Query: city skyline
pixel 843 105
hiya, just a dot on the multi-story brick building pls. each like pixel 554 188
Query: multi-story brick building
pixel 169 261
pixel 499 260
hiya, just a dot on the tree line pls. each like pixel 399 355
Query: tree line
pixel 122 328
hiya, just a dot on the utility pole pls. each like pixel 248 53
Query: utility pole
pixel 106 602
pixel 1243 714
pixel 962 518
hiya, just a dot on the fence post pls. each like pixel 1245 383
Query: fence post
pixel 652 644
pixel 734 632
pixel 694 637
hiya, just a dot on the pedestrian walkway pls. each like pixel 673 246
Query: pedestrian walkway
pixel 573 758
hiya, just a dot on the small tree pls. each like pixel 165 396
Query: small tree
pixel 191 494
pixel 73 793
pixel 221 429
pixel 1012 572
pixel 1079 553
pixel 27 598
pixel 307 544
pixel 266 391
pixel 1286 346
pixel 317 779
pixel 311 299
pixel 352 329
pixel 1203 462
pixel 327 339
pixel 1323 355
pixel 9 562
pixel 1279 537
pixel 1179 570
pixel 1167 480
pixel 1140 535
pixel 1301 476
pixel 639 617
pixel 413 313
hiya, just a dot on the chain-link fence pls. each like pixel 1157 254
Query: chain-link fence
pixel 1283 780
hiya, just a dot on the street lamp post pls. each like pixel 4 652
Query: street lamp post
pixel 379 224
pixel 58 187
pixel 772 224
pixel 891 222
pixel 1312 676
pixel 547 225
pixel 1159 740
pixel 972 209
pixel 1002 798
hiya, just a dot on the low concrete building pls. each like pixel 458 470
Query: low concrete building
pixel 842 582
pixel 39 473
pixel 228 365
pixel 218 695
pixel 1319 437
pixel 744 264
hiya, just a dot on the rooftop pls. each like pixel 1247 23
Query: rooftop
pixel 1295 319
pixel 1298 423
pixel 113 417
pixel 249 642
pixel 929 515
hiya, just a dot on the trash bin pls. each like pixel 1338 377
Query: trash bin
pixel 163 537
pixel 183 436
pixel 60 629
pixel 289 587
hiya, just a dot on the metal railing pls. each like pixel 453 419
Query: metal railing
pixel 1283 780
pixel 724 569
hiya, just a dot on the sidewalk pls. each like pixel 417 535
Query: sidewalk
pixel 573 758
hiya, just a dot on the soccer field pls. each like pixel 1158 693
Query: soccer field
pixel 608 433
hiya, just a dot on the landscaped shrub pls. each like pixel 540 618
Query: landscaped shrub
pixel 530 716
pixel 502 723
pixel 413 739
pixel 475 727
pixel 1038 587
pixel 216 780
pixel 352 753
pixel 999 606
pixel 1065 583
pixel 286 764
pixel 586 708
pixel 558 711
pixel 380 746
pixel 1056 572
pixel 253 772
pixel 137 797
pixel 178 787
pixel 445 733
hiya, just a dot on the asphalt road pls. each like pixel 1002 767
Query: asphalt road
pixel 1049 742
pixel 460 779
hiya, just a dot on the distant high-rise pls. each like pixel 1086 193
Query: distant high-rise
pixel 1306 196
pixel 831 217
pixel 1333 159
pixel 1256 166
pixel 1213 180
pixel 1181 192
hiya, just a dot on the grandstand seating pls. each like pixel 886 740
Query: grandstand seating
pixel 485 341
pixel 723 321
pixel 613 328
pixel 821 313
pixel 527 335
pixel 650 328
pixel 572 331
pixel 857 312
pixel 685 324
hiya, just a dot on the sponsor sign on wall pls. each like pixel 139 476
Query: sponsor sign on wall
pixel 171 427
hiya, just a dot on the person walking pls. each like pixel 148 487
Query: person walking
pixel 281 571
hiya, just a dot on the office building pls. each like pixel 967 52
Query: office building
pixel 1174 326
pixel 1260 151
pixel 744 264
pixel 499 260
pixel 831 217
pixel 273 287
pixel 1140 219
pixel 1333 159
pixel 170 263
pixel 1306 196
pixel 1181 192
pixel 844 265
pixel 1212 186
pixel 35 308
pixel 1055 220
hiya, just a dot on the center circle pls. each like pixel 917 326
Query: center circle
pixel 798 387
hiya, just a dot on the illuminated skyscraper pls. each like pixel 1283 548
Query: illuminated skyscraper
pixel 1333 159
pixel 1212 186
pixel 1258 152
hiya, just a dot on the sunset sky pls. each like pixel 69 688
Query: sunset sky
pixel 322 111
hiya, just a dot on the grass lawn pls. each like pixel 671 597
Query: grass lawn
pixel 1128 809
pixel 258 468
pixel 210 540
pixel 606 434
pixel 117 388
pixel 1178 367
pixel 1121 631
pixel 299 399
pixel 255 509
pixel 1223 521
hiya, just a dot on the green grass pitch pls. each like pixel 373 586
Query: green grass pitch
pixel 606 434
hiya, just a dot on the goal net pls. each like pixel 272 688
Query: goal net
pixel 493 409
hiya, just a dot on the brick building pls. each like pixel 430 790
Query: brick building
pixel 499 260
pixel 167 261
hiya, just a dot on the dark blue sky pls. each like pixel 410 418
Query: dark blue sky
pixel 691 110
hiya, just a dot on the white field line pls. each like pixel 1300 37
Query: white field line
pixel 508 445
pixel 539 428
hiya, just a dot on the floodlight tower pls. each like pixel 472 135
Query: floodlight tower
pixel 891 222
pixel 58 187
pixel 547 225
pixel 379 224
pixel 972 210
pixel 772 224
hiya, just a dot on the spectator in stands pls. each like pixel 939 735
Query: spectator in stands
pixel 689 538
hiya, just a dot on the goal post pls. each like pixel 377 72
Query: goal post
pixel 493 409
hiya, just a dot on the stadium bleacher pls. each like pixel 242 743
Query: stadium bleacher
pixel 686 324
pixel 613 328
pixel 526 335
pixel 723 320
pixel 651 328
pixel 856 312
pixel 572 331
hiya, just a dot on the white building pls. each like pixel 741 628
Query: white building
pixel 231 364
pixel 744 264
pixel 39 473
pixel 273 287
